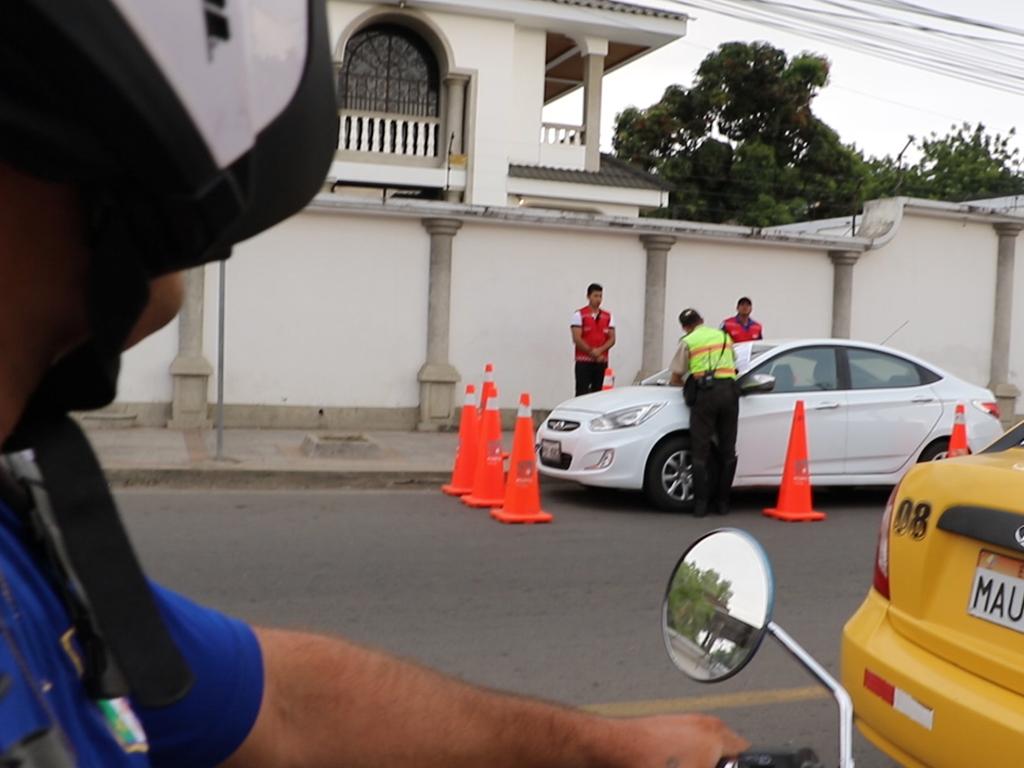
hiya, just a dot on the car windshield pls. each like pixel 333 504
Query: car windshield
pixel 745 360
pixel 747 354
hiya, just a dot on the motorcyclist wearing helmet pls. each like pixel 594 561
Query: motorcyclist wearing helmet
pixel 137 140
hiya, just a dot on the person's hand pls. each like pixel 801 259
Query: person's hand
pixel 677 741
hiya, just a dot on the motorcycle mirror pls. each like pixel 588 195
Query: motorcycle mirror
pixel 718 605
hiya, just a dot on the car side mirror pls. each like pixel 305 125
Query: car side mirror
pixel 757 382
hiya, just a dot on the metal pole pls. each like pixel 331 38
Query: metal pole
pixel 838 692
pixel 220 363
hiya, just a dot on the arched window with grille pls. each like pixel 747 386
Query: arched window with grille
pixel 389 92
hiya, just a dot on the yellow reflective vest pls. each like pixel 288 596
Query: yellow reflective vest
pixel 710 351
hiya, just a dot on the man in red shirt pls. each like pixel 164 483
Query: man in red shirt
pixel 743 327
pixel 593 334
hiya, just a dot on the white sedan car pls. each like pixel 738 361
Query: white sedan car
pixel 871 413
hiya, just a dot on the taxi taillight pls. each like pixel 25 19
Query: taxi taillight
pixel 881 579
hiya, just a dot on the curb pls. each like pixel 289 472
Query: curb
pixel 272 479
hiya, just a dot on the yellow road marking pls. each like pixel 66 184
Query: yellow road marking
pixel 709 703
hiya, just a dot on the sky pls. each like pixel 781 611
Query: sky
pixel 871 102
pixel 737 560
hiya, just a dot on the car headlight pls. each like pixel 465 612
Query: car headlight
pixel 627 417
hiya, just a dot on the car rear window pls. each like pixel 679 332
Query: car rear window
pixel 877 370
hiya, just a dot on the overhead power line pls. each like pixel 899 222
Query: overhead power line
pixel 898 31
pixel 863 94
pixel 959 59
pixel 931 12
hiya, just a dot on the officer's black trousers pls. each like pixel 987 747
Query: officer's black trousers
pixel 714 417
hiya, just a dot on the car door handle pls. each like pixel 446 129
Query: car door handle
pixel 922 399
pixel 826 406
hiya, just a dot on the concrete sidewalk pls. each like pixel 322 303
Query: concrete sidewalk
pixel 268 459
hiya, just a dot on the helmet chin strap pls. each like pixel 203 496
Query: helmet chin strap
pixel 128 648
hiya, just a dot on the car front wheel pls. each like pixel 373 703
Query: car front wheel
pixel 668 479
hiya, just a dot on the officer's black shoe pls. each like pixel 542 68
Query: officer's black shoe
pixel 700 508
pixel 722 508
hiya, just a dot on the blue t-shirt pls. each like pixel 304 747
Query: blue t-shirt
pixel 39 677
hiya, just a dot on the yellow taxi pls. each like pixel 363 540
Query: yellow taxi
pixel 934 657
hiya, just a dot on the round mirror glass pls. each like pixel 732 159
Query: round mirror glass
pixel 717 605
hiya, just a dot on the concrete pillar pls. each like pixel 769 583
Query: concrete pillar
pixel 593 75
pixel 657 247
pixel 842 292
pixel 455 121
pixel 190 370
pixel 999 368
pixel 455 90
pixel 438 377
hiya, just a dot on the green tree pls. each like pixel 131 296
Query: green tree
pixel 692 598
pixel 742 144
pixel 967 163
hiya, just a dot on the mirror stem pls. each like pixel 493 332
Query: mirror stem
pixel 841 696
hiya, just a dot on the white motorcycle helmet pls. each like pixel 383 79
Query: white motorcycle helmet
pixel 188 125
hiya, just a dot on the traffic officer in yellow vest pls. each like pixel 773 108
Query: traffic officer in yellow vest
pixel 705 366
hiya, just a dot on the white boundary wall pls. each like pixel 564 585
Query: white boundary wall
pixel 327 313
pixel 329 309
pixel 513 294
pixel 791 287
pixel 937 276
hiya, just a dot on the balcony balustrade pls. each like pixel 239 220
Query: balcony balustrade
pixel 397 135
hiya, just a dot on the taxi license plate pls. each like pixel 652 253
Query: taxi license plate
pixel 551 450
pixel 997 594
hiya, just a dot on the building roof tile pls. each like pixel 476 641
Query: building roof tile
pixel 614 173
pixel 621 7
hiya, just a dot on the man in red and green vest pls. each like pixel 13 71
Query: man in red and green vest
pixel 593 334
pixel 742 327
pixel 706 356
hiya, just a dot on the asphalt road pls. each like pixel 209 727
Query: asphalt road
pixel 568 611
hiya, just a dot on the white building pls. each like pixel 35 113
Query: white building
pixel 456 229
pixel 443 99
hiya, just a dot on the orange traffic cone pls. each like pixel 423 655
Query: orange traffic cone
pixel 465 455
pixel 794 505
pixel 522 492
pixel 958 440
pixel 487 389
pixel 489 471
pixel 609 379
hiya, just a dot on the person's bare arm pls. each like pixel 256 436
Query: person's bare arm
pixel 601 353
pixel 577 339
pixel 679 366
pixel 327 702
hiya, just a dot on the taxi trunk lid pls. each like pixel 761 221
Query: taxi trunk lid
pixel 957 563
